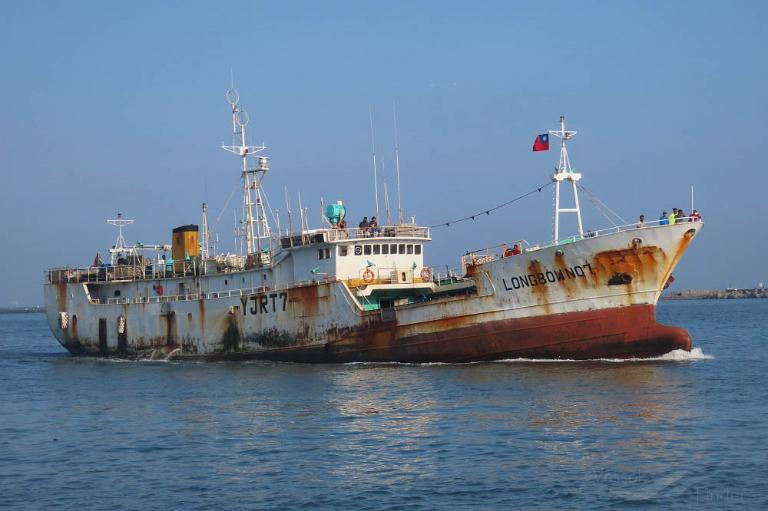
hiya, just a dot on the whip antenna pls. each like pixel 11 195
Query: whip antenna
pixel 373 153
pixel 397 165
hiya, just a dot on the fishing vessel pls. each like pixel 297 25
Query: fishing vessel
pixel 341 294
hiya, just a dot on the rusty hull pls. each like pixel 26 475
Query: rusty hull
pixel 626 332
pixel 591 299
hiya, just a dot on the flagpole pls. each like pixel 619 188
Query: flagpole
pixel 691 198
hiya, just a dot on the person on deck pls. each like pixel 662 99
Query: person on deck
pixel 673 217
pixel 641 223
pixel 664 219
pixel 373 226
pixel 363 226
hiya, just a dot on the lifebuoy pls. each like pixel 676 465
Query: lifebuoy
pixel 159 289
pixel 368 275
pixel 426 274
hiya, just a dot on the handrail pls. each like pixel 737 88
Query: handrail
pixel 356 233
pixel 123 272
pixel 484 255
pixel 247 291
pixel 615 229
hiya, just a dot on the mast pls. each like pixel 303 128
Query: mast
pixel 386 203
pixel 373 153
pixel 119 247
pixel 204 251
pixel 288 231
pixel 565 172
pixel 255 225
pixel 397 166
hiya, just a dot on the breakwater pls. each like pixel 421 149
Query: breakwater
pixel 716 294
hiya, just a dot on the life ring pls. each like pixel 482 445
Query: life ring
pixel 159 289
pixel 368 275
pixel 426 274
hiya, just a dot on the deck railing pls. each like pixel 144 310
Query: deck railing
pixel 248 291
pixel 616 228
pixel 384 231
pixel 121 272
pixel 485 255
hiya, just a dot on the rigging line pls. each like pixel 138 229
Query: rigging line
pixel 218 218
pixel 600 210
pixel 597 205
pixel 488 211
pixel 485 249
pixel 624 222
pixel 269 207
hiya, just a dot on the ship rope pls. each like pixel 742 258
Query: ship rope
pixel 218 218
pixel 490 210
pixel 600 205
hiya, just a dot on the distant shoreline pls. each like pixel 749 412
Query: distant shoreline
pixel 22 310
pixel 716 294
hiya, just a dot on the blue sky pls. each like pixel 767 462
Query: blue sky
pixel 120 106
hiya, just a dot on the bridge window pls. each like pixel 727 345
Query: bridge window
pixel 376 249
pixel 385 249
pixel 410 249
pixel 343 250
pixel 367 249
pixel 393 249
pixel 417 249
pixel 401 248
pixel 323 253
pixel 358 250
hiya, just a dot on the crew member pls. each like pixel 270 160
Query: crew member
pixel 373 226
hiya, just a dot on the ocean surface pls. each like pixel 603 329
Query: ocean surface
pixel 680 432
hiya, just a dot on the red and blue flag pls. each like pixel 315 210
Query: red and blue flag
pixel 541 143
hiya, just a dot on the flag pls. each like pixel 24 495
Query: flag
pixel 541 143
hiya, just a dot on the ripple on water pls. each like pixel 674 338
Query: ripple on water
pixel 684 430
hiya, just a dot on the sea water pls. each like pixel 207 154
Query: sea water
pixel 684 431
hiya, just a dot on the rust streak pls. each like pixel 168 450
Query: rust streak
pixel 541 291
pixel 201 311
pixel 61 288
pixel 305 300
pixel 679 251
pixel 568 284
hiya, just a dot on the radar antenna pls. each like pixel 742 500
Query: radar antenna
pixel 565 172
pixel 255 225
